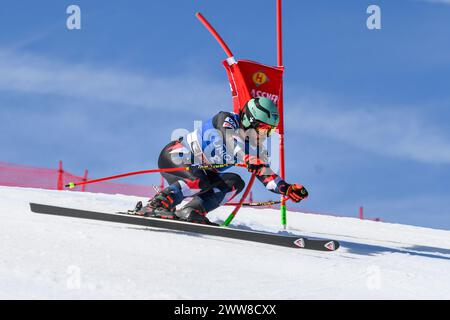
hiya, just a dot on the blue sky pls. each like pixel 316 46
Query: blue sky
pixel 367 111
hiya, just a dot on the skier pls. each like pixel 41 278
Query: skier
pixel 229 140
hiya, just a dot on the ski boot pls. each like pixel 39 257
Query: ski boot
pixel 194 212
pixel 161 206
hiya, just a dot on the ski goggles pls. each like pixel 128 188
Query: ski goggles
pixel 265 128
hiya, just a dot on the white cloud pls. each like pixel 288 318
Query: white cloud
pixel 438 1
pixel 31 74
pixel 386 131
pixel 428 209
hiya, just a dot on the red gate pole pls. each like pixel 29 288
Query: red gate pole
pixel 60 183
pixel 241 201
pixel 230 56
pixel 72 185
pixel 161 184
pixel 214 33
pixel 280 108
pixel 85 178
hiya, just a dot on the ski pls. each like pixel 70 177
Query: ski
pixel 291 241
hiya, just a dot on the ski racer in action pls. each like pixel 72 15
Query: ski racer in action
pixel 226 138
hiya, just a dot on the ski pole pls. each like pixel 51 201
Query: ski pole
pixel 254 204
pixel 72 185
pixel 241 203
pixel 258 204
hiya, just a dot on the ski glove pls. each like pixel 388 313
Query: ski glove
pixel 296 192
pixel 255 165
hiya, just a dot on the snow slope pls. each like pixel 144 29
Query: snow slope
pixel 65 258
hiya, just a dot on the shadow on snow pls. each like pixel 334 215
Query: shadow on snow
pixel 371 250
pixel 351 247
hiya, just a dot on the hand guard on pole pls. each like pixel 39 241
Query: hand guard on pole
pixel 296 192
pixel 255 165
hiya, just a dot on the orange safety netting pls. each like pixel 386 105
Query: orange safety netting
pixel 15 175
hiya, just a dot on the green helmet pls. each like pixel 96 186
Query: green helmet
pixel 259 112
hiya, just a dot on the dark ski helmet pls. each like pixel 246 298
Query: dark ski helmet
pixel 260 114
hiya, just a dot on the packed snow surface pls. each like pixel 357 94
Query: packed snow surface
pixel 50 257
